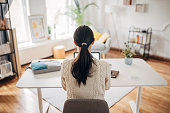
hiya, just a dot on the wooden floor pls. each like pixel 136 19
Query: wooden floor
pixel 154 99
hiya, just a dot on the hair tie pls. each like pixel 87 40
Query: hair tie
pixel 84 44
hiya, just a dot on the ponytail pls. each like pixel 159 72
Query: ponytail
pixel 81 67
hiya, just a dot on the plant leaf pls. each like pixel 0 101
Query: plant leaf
pixel 86 6
pixel 88 23
pixel 77 4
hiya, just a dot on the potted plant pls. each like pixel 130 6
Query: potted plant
pixel 128 53
pixel 77 13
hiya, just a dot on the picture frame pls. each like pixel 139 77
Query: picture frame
pixel 37 28
pixel 140 8
pixel 127 2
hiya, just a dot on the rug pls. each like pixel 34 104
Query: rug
pixel 57 96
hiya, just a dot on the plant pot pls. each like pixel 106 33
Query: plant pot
pixel 128 61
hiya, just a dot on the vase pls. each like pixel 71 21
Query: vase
pixel 128 61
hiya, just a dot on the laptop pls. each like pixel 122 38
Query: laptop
pixel 94 54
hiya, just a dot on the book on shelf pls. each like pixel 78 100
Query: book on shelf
pixel 139 39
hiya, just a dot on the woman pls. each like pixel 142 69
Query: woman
pixel 85 77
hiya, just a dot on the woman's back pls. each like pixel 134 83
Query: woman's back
pixel 96 83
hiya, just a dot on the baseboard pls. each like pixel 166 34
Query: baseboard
pixel 151 56
pixel 159 58
pixel 115 49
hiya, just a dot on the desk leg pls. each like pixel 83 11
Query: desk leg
pixel 40 100
pixel 135 107
pixel 43 107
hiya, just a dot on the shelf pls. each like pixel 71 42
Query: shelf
pixel 5 29
pixel 8 37
pixel 141 32
pixel 139 43
pixel 3 80
pixel 6 54
pixel 4 3
pixel 145 45
pixel 139 55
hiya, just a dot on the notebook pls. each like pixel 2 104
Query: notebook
pixel 94 54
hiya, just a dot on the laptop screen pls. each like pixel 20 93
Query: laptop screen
pixel 94 54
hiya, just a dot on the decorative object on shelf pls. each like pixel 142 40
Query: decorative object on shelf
pixel 127 2
pixel 140 39
pixel 5 69
pixel 3 1
pixel 5 48
pixel 128 52
pixel 37 28
pixel 140 8
pixel 4 23
pixel 77 13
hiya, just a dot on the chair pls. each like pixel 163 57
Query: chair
pixel 85 106
pixel 103 48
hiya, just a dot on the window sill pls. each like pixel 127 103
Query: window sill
pixel 28 45
pixel 32 51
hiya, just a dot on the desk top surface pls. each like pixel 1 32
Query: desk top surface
pixel 139 73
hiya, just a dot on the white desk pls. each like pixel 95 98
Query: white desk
pixel 138 74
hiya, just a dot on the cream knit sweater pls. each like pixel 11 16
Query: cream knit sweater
pixel 95 85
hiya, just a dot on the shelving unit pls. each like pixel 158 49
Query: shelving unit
pixel 6 36
pixel 140 40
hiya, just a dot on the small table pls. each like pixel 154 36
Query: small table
pixel 138 74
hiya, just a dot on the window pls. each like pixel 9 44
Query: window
pixel 58 22
pixel 18 20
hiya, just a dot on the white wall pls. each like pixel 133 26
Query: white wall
pixel 156 15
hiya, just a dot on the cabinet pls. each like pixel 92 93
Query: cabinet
pixel 140 40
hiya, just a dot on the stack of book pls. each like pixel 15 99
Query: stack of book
pixel 139 39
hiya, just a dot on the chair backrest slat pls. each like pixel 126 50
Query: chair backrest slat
pixel 85 106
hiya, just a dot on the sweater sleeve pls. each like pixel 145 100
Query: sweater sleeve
pixel 108 77
pixel 63 82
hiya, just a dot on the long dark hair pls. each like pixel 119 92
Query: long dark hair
pixel 83 37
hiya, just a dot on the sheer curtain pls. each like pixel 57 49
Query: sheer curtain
pixel 57 20
pixel 95 15
pixel 18 20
